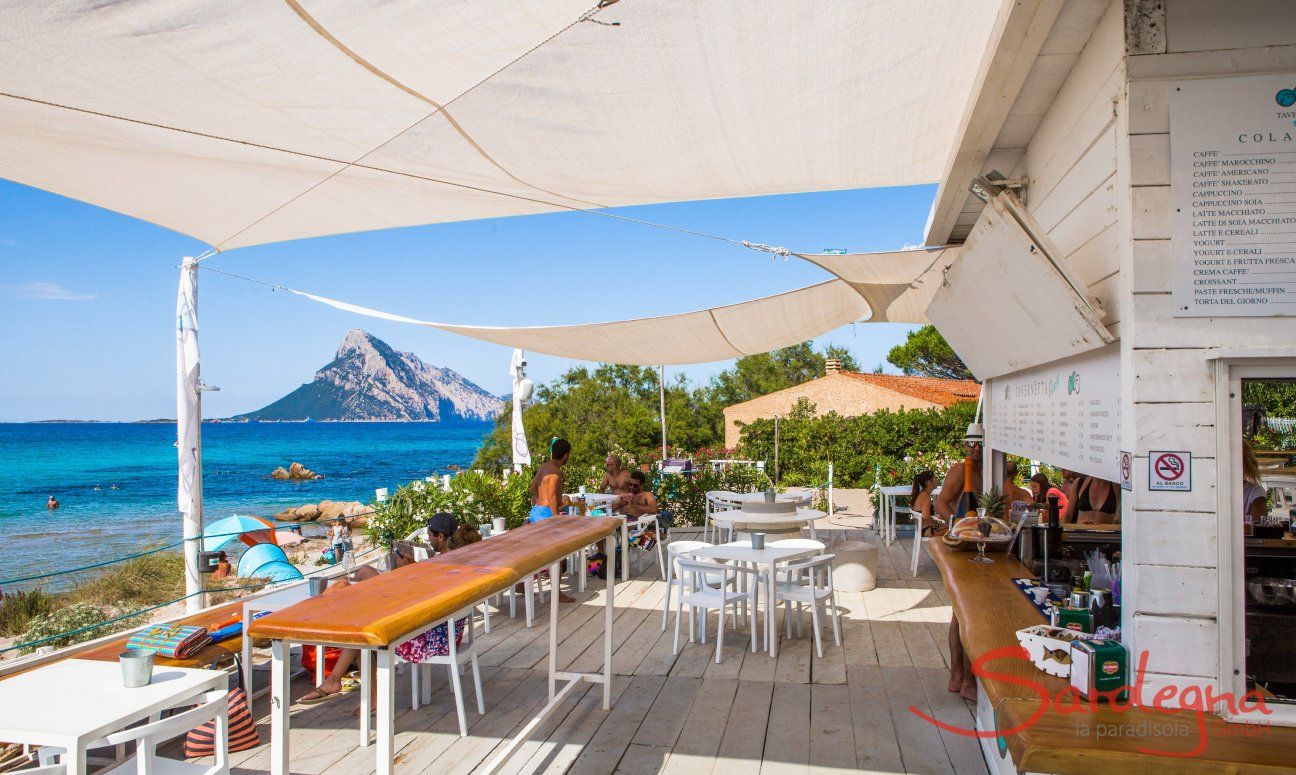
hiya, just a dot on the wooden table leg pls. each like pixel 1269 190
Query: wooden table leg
pixel 280 683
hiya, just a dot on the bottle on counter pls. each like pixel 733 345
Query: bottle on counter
pixel 967 505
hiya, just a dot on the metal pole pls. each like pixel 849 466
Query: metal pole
pixel 776 450
pixel 189 430
pixel 661 387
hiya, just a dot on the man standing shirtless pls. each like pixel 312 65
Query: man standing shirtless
pixel 617 479
pixel 547 490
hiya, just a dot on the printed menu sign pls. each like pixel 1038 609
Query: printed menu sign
pixel 1066 413
pixel 1233 196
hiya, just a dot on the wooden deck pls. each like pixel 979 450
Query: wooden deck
pixel 682 714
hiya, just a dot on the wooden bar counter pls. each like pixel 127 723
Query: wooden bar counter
pixel 1074 738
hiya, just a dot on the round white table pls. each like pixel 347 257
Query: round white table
pixel 746 522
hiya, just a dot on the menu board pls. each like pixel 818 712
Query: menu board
pixel 1065 413
pixel 1233 195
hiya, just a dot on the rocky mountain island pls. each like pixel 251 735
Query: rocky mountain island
pixel 369 381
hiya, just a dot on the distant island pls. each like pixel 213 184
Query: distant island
pixel 368 381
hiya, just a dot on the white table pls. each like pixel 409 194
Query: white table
pixel 768 558
pixel 275 601
pixel 72 703
pixel 604 500
pixel 762 523
pixel 888 509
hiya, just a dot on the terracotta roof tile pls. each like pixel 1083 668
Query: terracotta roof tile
pixel 938 391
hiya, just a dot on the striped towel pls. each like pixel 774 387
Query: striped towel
pixel 177 641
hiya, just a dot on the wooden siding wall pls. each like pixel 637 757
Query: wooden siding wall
pixel 1070 163
pixel 1172 561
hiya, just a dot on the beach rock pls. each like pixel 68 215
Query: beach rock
pixel 279 473
pixel 288 515
pixel 308 512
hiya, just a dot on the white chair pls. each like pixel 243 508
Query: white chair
pixel 641 524
pixel 712 585
pixel 676 551
pixel 147 736
pixel 461 653
pixel 803 587
pixel 716 501
pixel 811 544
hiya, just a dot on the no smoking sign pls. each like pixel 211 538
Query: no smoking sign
pixel 1170 471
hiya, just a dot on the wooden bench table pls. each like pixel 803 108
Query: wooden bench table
pixel 383 612
pixel 990 610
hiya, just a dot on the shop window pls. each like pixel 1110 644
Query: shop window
pixel 1264 506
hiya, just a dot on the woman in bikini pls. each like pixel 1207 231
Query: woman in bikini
pixel 920 500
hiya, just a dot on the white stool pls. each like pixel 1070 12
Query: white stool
pixel 855 566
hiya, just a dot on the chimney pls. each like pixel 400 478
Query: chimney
pixel 832 366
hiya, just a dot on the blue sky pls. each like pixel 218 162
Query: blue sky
pixel 89 295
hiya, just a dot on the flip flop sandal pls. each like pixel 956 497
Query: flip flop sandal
pixel 320 697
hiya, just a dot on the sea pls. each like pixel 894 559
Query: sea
pixel 116 482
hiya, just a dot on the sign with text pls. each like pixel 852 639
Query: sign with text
pixel 1065 413
pixel 1126 470
pixel 1170 471
pixel 1233 196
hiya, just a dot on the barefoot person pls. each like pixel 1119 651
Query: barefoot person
pixel 616 480
pixel 444 533
pixel 964 477
pixel 547 492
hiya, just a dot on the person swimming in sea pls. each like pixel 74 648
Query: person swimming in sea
pixel 52 504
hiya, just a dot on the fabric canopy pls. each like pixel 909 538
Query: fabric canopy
pixel 882 287
pixel 270 121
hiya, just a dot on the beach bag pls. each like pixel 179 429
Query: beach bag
pixel 201 741
pixel 176 641
pixel 330 658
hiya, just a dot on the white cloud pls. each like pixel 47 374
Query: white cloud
pixel 47 291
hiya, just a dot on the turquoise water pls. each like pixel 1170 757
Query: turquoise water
pixel 116 482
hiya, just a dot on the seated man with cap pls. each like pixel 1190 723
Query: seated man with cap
pixel 443 534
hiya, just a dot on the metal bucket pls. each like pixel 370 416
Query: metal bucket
pixel 758 541
pixel 137 668
pixel 317 585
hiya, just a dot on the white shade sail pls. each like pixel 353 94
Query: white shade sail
pixel 258 122
pixel 878 292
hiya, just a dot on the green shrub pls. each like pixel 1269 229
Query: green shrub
pixel 66 620
pixel 17 609
pixel 883 448
pixel 137 583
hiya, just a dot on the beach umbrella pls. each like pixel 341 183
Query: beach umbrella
pixel 276 537
pixel 223 531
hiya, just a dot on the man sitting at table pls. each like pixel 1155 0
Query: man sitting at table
pixel 616 479
pixel 638 500
pixel 443 534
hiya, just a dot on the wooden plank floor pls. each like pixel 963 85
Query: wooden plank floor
pixel 847 711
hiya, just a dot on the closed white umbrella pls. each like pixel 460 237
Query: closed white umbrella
pixel 522 390
pixel 189 427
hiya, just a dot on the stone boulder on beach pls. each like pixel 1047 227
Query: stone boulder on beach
pixel 296 471
pixel 326 511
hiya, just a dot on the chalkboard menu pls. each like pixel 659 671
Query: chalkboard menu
pixel 1233 196
pixel 1065 413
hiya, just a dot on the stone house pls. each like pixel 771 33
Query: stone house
pixel 850 393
